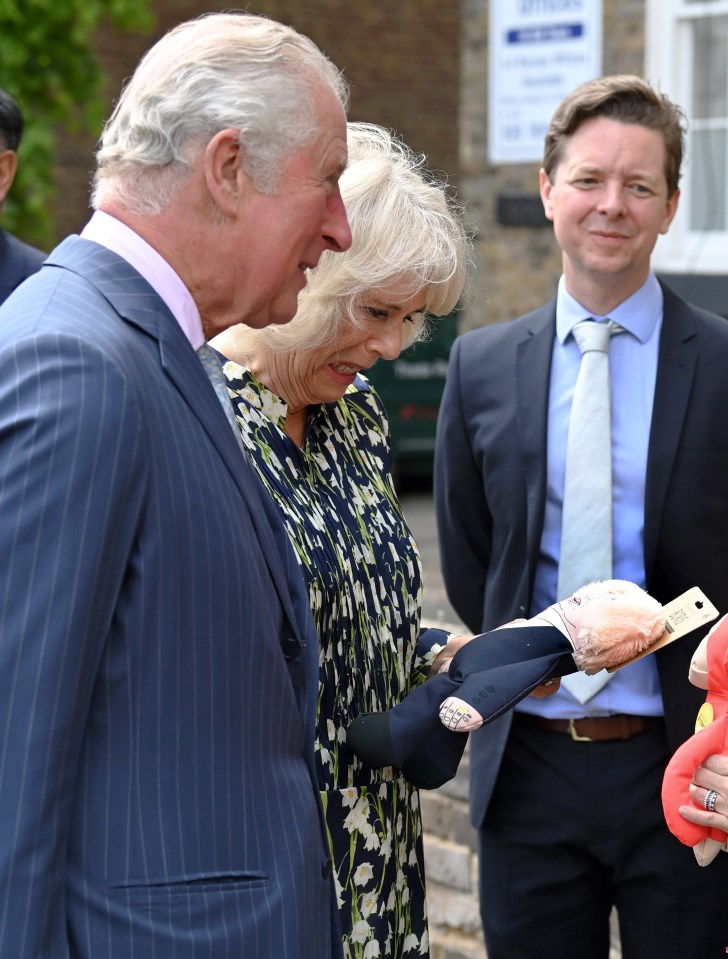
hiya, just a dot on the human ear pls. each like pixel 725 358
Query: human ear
pixel 545 187
pixel 8 166
pixel 223 171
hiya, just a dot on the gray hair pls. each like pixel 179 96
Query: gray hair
pixel 407 230
pixel 217 72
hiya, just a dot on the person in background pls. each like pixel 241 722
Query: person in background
pixel 565 795
pixel 18 260
pixel 318 437
pixel 152 803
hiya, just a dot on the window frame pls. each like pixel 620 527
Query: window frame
pixel 669 67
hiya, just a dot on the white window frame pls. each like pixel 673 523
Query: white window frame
pixel 669 67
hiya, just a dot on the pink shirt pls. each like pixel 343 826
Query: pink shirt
pixel 120 239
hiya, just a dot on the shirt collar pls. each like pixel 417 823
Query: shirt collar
pixel 638 314
pixel 116 236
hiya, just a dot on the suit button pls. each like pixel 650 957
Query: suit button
pixel 290 647
pixel 327 868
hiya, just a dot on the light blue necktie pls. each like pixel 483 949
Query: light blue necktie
pixel 585 555
pixel 211 364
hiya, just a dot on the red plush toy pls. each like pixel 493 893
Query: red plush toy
pixel 708 670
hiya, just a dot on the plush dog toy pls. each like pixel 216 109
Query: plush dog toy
pixel 708 670
pixel 601 626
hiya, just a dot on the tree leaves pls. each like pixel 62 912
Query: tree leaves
pixel 49 64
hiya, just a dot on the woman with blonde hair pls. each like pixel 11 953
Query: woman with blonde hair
pixel 318 436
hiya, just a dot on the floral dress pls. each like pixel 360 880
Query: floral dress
pixel 364 578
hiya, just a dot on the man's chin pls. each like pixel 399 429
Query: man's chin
pixel 275 314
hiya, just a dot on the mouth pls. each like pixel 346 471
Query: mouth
pixel 344 372
pixel 608 235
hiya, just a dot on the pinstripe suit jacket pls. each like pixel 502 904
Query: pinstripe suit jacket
pixel 490 489
pixel 158 662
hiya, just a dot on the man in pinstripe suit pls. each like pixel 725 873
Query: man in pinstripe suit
pixel 158 664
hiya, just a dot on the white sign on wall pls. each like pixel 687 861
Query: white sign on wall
pixel 540 50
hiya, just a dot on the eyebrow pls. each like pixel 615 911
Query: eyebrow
pixel 583 168
pixel 398 306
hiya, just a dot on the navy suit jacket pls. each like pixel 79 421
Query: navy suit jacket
pixel 158 660
pixel 18 261
pixel 490 487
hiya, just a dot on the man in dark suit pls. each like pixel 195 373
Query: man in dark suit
pixel 566 795
pixel 158 662
pixel 18 260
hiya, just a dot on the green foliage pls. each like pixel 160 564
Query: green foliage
pixel 48 63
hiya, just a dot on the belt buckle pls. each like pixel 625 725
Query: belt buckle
pixel 575 736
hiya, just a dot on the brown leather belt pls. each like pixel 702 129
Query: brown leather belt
pixel 598 728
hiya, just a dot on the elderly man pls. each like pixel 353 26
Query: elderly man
pixel 18 260
pixel 158 663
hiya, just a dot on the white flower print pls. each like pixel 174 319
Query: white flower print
pixel 368 904
pixel 361 931
pixel 357 818
pixel 371 841
pixel 363 874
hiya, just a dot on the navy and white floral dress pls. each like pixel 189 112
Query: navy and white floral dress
pixel 364 577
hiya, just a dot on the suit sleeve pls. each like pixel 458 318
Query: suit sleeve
pixel 464 522
pixel 70 481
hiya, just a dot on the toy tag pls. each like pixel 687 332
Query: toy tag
pixel 683 615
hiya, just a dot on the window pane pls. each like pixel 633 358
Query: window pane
pixel 708 180
pixel 710 43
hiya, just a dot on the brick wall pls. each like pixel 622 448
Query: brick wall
pixel 452 871
pixel 401 60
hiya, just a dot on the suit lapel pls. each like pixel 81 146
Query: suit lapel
pixel 533 369
pixel 182 366
pixel 137 303
pixel 677 358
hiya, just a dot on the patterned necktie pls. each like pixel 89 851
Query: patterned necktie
pixel 586 525
pixel 211 364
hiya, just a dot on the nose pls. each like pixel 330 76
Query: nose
pixel 336 231
pixel 611 199
pixel 386 342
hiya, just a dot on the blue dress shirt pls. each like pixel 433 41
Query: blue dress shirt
pixel 633 368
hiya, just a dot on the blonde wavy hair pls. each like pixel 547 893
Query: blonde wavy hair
pixel 407 230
